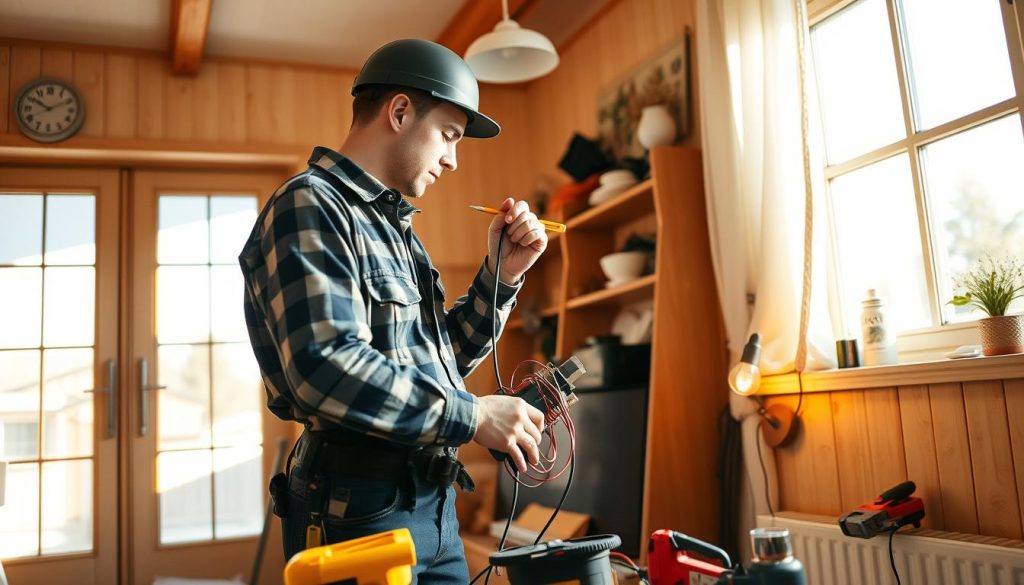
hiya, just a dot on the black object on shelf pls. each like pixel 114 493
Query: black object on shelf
pixel 583 158
pixel 610 364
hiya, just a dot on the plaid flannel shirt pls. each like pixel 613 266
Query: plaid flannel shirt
pixel 345 312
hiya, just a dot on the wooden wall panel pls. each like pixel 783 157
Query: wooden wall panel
pixel 120 115
pixel 5 85
pixel 151 74
pixel 869 443
pixel 919 451
pixel 57 63
pixel 961 443
pixel 89 79
pixel 1014 391
pixel 206 103
pixel 230 105
pixel 807 466
pixel 178 108
pixel 25 66
pixel 992 460
pixel 953 455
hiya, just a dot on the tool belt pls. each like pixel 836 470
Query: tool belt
pixel 341 453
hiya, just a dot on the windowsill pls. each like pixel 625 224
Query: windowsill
pixel 905 374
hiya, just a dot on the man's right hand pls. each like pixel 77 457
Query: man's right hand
pixel 508 424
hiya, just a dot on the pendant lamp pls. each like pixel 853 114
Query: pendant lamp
pixel 511 54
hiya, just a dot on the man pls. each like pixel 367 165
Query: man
pixel 346 317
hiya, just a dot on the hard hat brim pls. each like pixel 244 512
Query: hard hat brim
pixel 478 125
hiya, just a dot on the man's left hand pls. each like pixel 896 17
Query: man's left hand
pixel 525 240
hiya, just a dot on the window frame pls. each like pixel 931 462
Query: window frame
pixel 929 342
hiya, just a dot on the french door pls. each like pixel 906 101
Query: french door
pixel 160 470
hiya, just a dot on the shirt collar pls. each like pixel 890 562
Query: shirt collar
pixel 363 184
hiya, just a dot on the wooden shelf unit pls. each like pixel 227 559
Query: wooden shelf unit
pixel 688 388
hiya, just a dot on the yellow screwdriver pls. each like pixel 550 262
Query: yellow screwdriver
pixel 551 226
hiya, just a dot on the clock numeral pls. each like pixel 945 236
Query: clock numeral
pixel 39 92
pixel 60 126
pixel 27 108
pixel 71 110
pixel 37 124
pixel 67 118
pixel 31 118
pixel 62 90
pixel 49 90
pixel 47 126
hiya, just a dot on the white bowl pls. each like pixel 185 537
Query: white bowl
pixel 604 193
pixel 618 177
pixel 623 266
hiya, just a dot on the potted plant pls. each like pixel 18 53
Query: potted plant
pixel 992 285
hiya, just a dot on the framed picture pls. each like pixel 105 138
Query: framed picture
pixel 662 79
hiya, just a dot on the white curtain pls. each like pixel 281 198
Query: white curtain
pixel 761 166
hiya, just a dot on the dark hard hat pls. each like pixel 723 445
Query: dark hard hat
pixel 432 68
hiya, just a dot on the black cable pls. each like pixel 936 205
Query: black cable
pixel 764 471
pixel 565 492
pixel 494 313
pixel 504 534
pixel 892 558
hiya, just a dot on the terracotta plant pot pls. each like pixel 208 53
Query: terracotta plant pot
pixel 1002 335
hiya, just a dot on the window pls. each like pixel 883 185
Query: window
pixel 925 153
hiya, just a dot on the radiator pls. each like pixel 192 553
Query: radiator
pixel 923 557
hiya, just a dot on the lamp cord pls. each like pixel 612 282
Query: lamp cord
pixel 764 470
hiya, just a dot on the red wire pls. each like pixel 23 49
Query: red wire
pixel 555 409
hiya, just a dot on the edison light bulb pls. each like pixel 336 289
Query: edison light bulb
pixel 745 377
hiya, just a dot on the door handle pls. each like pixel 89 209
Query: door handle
pixel 111 391
pixel 144 389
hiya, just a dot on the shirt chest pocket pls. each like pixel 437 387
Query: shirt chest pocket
pixel 394 309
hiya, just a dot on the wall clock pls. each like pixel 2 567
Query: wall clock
pixel 49 110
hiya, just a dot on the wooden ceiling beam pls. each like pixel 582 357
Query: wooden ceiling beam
pixel 190 22
pixel 477 17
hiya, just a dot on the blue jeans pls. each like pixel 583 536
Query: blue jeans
pixel 360 507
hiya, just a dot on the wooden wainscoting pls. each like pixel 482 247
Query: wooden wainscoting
pixel 962 443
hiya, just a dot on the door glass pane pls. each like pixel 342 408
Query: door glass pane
pixel 879 243
pixel 21 311
pixel 226 315
pixel 238 485
pixel 231 220
pixel 19 406
pixel 69 304
pixel 183 236
pixel 857 83
pixel 67 409
pixel 183 484
pixel 238 396
pixel 958 58
pixel 184 419
pixel 67 515
pixel 974 181
pixel 70 229
pixel 183 304
pixel 21 229
pixel 19 518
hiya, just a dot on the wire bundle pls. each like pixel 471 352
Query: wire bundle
pixel 555 409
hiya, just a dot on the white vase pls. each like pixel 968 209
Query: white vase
pixel 657 127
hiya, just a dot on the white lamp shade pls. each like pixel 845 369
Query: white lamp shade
pixel 511 54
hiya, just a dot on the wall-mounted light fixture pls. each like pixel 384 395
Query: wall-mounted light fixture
pixel 745 378
pixel 510 53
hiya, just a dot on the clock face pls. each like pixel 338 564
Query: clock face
pixel 49 110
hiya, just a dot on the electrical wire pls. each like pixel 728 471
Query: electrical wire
pixel 892 558
pixel 764 471
pixel 555 409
